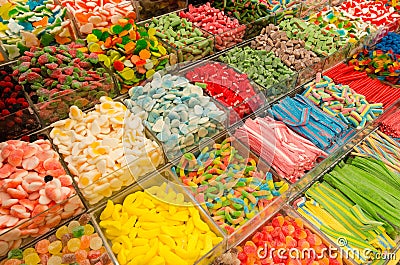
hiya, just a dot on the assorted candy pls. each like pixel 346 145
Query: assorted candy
pixel 32 23
pixel 341 101
pixel 134 53
pixel 34 189
pixel 228 86
pixel 289 154
pixel 384 66
pixel 373 90
pixel 57 77
pixel 98 14
pixel 321 41
pixel 291 52
pixel 334 21
pixel 98 145
pixel 382 147
pixel 284 232
pixel 372 12
pixel 232 187
pixel 261 66
pixel 363 192
pixel 189 42
pixel 76 243
pixel 15 117
pixel 156 226
pixel 176 111
pixel 228 32
pixel 302 116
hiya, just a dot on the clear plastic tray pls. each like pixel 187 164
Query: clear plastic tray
pixel 242 148
pixel 147 10
pixel 24 231
pixel 309 7
pixel 157 179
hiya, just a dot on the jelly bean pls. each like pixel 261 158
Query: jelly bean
pixel 133 52
pixel 55 255
pixel 233 188
pixel 98 14
pixel 228 86
pixel 33 23
pixel 16 119
pixel 261 66
pixel 342 102
pixel 23 175
pixel 291 155
pixel 168 240
pixel 291 52
pixel 75 81
pixel 320 41
pixel 97 153
pixel 189 42
pixel 228 31
pixel 390 42
pixel 176 111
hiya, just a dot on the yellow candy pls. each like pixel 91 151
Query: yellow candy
pixel 139 242
pixel 170 257
pixel 162 50
pixel 116 247
pixel 88 229
pixel 116 213
pixel 28 251
pixel 157 261
pixel 148 233
pixel 105 59
pixel 32 259
pixel 167 240
pixel 122 257
pixel 61 231
pixel 108 211
pixel 91 38
pixel 151 32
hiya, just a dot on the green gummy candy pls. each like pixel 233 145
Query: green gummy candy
pixel 127 74
pixel 97 33
pixel 15 254
pixel 46 39
pixel 78 231
pixel 116 29
pixel 127 26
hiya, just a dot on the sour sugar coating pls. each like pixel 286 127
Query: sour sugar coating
pixel 98 14
pixel 287 233
pixel 83 248
pixel 98 145
pixel 231 186
pixel 25 24
pixel 33 181
pixel 157 226
pixel 228 30
pixel 189 42
pixel 176 111
pixel 57 77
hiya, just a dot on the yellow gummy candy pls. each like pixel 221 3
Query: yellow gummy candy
pixel 157 260
pixel 139 242
pixel 125 241
pixel 170 257
pixel 136 260
pixel 151 217
pixel 91 38
pixel 121 257
pixel 116 213
pixel 116 247
pixel 186 255
pixel 167 240
pixel 189 226
pixel 152 252
pixel 172 231
pixel 150 225
pixel 148 233
pixel 180 216
pixel 151 32
pixel 140 250
pixel 108 211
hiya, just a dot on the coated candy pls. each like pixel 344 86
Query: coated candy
pixel 57 77
pixel 27 191
pixel 98 14
pixel 24 24
pixel 98 145
pixel 233 189
pixel 189 42
pixel 156 226
pixel 69 252
pixel 228 31
pixel 167 106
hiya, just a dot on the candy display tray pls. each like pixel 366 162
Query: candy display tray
pixel 286 210
pixel 320 178
pixel 146 8
pixel 53 214
pixel 315 7
pixel 272 92
pixel 4 55
pixel 254 103
pixel 190 52
pixel 157 179
pixel 18 123
pixel 57 106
